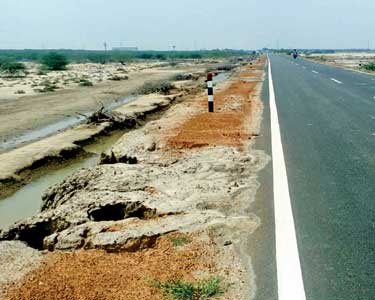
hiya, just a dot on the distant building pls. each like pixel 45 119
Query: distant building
pixel 125 48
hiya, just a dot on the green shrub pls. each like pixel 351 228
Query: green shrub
pixel 118 78
pixel 183 290
pixel 158 86
pixel 226 67
pixel 210 287
pixel 86 83
pixel 117 56
pixel 54 61
pixel 195 55
pixel 161 56
pixel 178 290
pixel 20 92
pixel 47 87
pixel 41 71
pixel 368 67
pixel 181 240
pixel 180 77
pixel 12 67
pixel 145 55
pixel 97 58
pixel 321 58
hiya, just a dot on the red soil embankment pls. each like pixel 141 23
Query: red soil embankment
pixel 228 125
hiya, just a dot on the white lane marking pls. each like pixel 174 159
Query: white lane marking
pixel 303 67
pixel 289 273
pixel 297 64
pixel 316 72
pixel 335 80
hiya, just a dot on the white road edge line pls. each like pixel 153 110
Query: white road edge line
pixel 316 72
pixel 335 80
pixel 289 273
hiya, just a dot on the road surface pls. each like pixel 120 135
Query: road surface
pixel 326 120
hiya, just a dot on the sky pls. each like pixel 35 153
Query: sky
pixel 187 24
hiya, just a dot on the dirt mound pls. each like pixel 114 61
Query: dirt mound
pixel 228 125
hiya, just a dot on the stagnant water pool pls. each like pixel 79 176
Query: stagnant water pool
pixel 27 200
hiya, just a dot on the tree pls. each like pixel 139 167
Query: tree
pixel 54 61
pixel 12 67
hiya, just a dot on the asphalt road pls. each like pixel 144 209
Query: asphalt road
pixel 327 124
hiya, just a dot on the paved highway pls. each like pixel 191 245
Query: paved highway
pixel 326 121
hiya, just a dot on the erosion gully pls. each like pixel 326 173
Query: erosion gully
pixel 26 201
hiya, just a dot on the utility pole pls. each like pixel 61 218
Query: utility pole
pixel 105 46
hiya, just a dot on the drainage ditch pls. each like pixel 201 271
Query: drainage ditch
pixel 27 201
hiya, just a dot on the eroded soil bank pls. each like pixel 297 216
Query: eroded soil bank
pixel 27 200
pixel 21 165
pixel 169 201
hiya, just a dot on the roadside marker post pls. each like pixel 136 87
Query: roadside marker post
pixel 210 90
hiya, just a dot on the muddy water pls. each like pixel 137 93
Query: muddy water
pixel 27 200
pixel 63 124
pixel 121 101
pixel 42 132
pixel 221 77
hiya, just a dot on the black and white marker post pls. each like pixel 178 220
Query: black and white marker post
pixel 210 89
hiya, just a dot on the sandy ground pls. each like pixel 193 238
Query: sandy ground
pixel 35 80
pixel 24 113
pixel 349 60
pixel 179 185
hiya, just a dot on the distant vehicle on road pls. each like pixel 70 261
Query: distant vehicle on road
pixel 295 53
